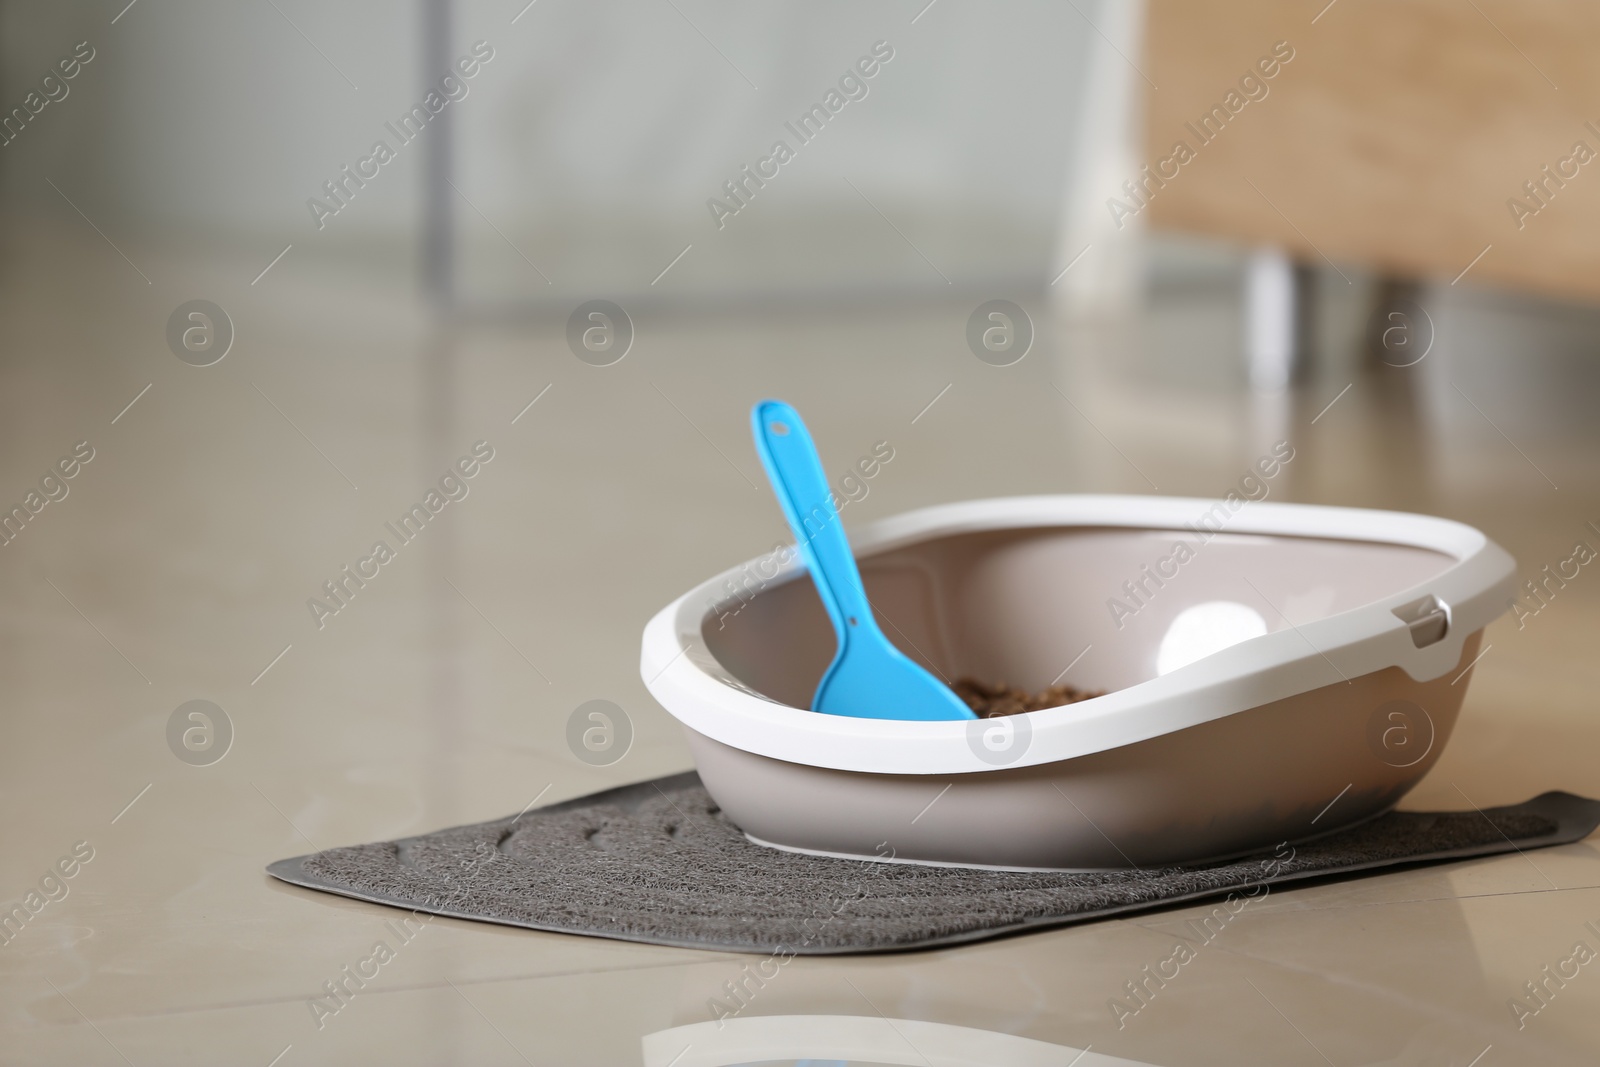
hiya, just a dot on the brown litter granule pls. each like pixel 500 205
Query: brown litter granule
pixel 1001 699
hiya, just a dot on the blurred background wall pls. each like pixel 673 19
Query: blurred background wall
pixel 584 153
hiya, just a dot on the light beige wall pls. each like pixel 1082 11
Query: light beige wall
pixel 591 143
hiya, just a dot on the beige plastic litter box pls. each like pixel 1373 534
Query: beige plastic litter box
pixel 1271 674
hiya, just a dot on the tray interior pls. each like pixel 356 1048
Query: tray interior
pixel 1019 606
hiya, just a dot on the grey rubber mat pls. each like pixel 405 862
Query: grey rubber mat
pixel 657 862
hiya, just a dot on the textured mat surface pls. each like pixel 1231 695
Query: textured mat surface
pixel 657 862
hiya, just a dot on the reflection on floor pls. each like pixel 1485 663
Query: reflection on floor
pixel 855 1039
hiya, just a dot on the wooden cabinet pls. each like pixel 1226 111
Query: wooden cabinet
pixel 1399 136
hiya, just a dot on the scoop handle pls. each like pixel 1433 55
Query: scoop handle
pixel 797 476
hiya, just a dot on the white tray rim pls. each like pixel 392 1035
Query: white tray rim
pixel 1479 586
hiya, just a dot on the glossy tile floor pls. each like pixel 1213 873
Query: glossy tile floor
pixel 219 499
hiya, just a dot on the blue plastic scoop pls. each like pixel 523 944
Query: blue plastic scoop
pixel 869 677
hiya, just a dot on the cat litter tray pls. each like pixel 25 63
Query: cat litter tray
pixel 1271 673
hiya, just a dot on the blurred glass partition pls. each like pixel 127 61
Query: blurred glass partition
pixel 685 148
